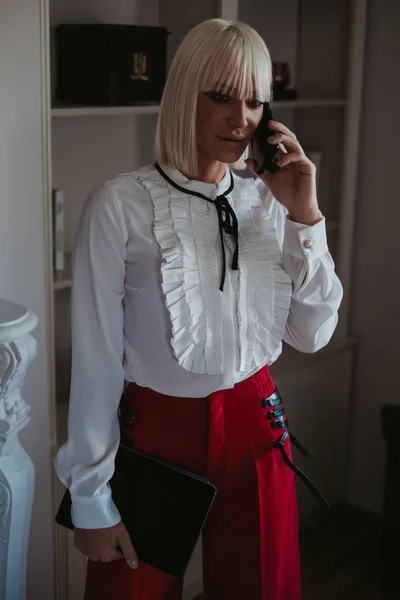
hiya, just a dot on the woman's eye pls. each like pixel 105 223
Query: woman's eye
pixel 253 103
pixel 218 97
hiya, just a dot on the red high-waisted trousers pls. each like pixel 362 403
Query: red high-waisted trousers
pixel 250 540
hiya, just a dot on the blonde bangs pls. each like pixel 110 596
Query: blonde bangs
pixel 216 55
pixel 238 62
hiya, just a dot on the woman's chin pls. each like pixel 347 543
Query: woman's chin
pixel 229 157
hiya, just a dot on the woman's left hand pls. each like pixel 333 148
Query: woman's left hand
pixel 294 185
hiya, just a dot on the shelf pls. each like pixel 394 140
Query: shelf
pixel 114 111
pixel 104 111
pixel 63 279
pixel 310 103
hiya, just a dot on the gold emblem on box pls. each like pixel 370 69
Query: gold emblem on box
pixel 140 67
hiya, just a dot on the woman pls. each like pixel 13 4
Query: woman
pixel 191 316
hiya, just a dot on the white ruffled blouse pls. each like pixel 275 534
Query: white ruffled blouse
pixel 146 307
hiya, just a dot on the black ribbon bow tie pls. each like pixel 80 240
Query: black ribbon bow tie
pixel 227 219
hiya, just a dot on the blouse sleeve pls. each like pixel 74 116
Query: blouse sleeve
pixel 85 463
pixel 316 290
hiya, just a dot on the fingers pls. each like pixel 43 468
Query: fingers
pixel 251 164
pixel 110 554
pixel 114 554
pixel 128 551
pixel 296 157
pixel 287 159
pixel 107 555
pixel 291 151
pixel 280 127
pixel 287 140
pixel 104 554
pixel 106 545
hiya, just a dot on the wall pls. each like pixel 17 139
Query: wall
pixel 77 164
pixel 276 22
pixel 376 292
pixel 22 266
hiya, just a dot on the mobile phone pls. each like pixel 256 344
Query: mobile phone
pixel 265 154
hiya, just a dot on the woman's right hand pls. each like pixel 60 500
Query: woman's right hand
pixel 101 544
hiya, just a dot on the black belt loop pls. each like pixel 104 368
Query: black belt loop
pixel 278 420
pixel 227 220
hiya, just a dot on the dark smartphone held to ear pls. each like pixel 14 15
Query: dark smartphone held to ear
pixel 265 154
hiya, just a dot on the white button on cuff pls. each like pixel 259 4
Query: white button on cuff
pixel 307 244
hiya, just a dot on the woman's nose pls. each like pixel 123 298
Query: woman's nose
pixel 238 115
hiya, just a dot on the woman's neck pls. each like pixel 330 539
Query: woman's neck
pixel 209 171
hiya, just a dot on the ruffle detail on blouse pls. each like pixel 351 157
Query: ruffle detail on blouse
pixel 265 288
pixel 189 274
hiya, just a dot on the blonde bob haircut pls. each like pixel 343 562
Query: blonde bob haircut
pixel 216 55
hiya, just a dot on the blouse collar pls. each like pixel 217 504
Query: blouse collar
pixel 211 190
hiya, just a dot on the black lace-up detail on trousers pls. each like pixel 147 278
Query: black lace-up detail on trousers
pixel 278 420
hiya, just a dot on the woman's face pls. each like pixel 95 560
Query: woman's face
pixel 225 125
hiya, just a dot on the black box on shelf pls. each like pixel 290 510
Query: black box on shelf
pixel 110 64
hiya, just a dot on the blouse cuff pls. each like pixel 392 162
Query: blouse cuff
pixel 94 512
pixel 304 241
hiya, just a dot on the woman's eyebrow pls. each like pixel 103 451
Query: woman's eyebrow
pixel 231 89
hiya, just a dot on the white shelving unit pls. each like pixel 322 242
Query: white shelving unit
pixel 103 111
pixel 87 145
pixel 63 279
pixel 114 111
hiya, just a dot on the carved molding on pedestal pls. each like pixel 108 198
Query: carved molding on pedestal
pixel 17 351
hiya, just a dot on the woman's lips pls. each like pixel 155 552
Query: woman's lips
pixel 232 141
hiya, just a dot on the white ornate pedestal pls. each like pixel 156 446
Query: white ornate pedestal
pixel 17 350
